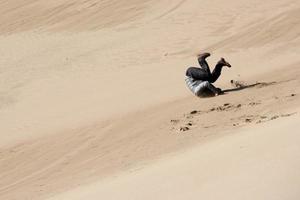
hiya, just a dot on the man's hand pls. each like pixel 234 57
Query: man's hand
pixel 219 92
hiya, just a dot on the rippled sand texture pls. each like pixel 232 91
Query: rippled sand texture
pixel 93 103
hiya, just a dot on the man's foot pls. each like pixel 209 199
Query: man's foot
pixel 223 62
pixel 203 55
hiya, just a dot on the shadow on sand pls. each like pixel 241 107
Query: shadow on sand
pixel 237 87
pixel 241 87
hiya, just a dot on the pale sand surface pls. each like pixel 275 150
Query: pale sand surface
pixel 92 100
pixel 237 166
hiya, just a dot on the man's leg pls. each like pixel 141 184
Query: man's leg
pixel 203 63
pixel 218 69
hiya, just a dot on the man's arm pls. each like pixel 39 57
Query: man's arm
pixel 211 87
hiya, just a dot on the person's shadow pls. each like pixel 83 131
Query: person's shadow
pixel 238 87
pixel 241 88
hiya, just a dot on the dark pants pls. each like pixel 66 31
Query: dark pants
pixel 204 73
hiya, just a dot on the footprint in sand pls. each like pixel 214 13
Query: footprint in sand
pixel 288 115
pixel 189 124
pixel 194 112
pixel 185 128
pixel 274 117
pixel 254 103
pixel 291 95
pixel 174 121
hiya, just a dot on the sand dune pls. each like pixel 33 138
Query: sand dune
pixel 234 167
pixel 68 15
pixel 93 102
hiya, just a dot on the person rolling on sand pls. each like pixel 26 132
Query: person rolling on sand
pixel 199 79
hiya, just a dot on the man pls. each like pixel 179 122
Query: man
pixel 199 80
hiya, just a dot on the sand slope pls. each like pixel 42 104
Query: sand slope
pixel 92 99
pixel 237 166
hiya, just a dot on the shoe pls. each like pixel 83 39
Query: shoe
pixel 223 62
pixel 203 55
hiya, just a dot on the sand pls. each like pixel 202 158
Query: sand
pixel 93 103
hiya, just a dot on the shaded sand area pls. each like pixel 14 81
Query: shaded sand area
pixel 93 103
